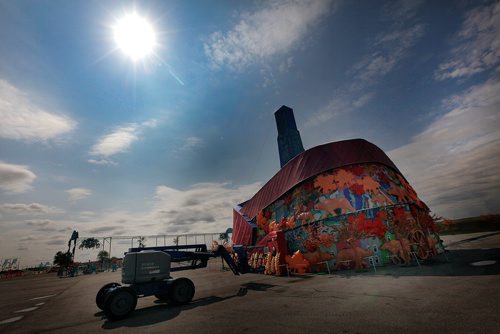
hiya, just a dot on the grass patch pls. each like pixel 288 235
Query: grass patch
pixel 483 223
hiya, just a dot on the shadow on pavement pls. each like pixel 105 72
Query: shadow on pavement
pixel 458 263
pixel 257 286
pixel 162 311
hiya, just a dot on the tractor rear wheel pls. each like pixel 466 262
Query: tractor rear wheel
pixel 181 291
pixel 120 303
pixel 101 295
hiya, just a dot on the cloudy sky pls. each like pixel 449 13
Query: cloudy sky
pixel 93 141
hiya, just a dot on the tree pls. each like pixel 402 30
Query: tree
pixel 103 256
pixel 89 243
pixel 62 259
pixel 224 236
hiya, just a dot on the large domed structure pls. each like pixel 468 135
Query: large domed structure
pixel 345 195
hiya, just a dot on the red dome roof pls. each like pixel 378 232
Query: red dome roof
pixel 312 162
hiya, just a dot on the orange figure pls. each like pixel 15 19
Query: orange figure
pixel 305 217
pixel 405 244
pixel 399 192
pixel 432 245
pixel 395 248
pixel 282 224
pixel 329 206
pixel 297 262
pixel 381 200
pixel 326 240
pixel 317 257
pixel 369 184
pixel 355 254
pixel 410 192
pixel 290 223
pixel 325 183
pixel 273 226
pixel 261 220
pixel 344 178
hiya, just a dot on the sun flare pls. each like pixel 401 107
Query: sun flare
pixel 135 36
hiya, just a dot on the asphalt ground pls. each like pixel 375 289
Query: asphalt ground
pixel 450 296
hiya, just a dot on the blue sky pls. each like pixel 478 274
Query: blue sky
pixel 90 140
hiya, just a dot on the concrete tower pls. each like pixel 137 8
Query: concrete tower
pixel 289 142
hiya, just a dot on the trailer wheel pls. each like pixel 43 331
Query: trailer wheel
pixel 101 295
pixel 120 303
pixel 182 291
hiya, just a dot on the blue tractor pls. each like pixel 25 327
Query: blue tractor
pixel 146 272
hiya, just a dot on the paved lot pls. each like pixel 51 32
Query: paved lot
pixel 439 297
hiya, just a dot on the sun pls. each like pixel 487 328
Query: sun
pixel 135 36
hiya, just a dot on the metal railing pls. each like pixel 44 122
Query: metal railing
pixel 107 242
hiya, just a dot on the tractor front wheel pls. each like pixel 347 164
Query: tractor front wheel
pixel 101 295
pixel 120 303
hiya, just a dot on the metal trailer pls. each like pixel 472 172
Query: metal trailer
pixel 146 272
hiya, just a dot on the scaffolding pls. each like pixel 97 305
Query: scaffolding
pixel 159 240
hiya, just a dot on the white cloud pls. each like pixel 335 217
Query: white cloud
pixel 337 106
pixel 76 194
pixel 188 145
pixel 273 30
pixel 102 162
pixel 105 229
pixel 39 223
pixel 385 51
pixel 87 213
pixel 24 120
pixel 191 143
pixel 118 141
pixel 44 225
pixel 152 123
pixel 15 178
pixel 341 103
pixel 286 65
pixel 28 209
pixel 478 44
pixel 114 222
pixel 388 48
pixel 203 207
pixel 402 10
pixel 453 164
pixel 363 100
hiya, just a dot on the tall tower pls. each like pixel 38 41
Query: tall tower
pixel 289 142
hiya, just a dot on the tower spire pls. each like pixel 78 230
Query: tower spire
pixel 289 142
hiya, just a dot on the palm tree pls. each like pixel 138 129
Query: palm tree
pixel 89 243
pixel 103 256
pixel 62 259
